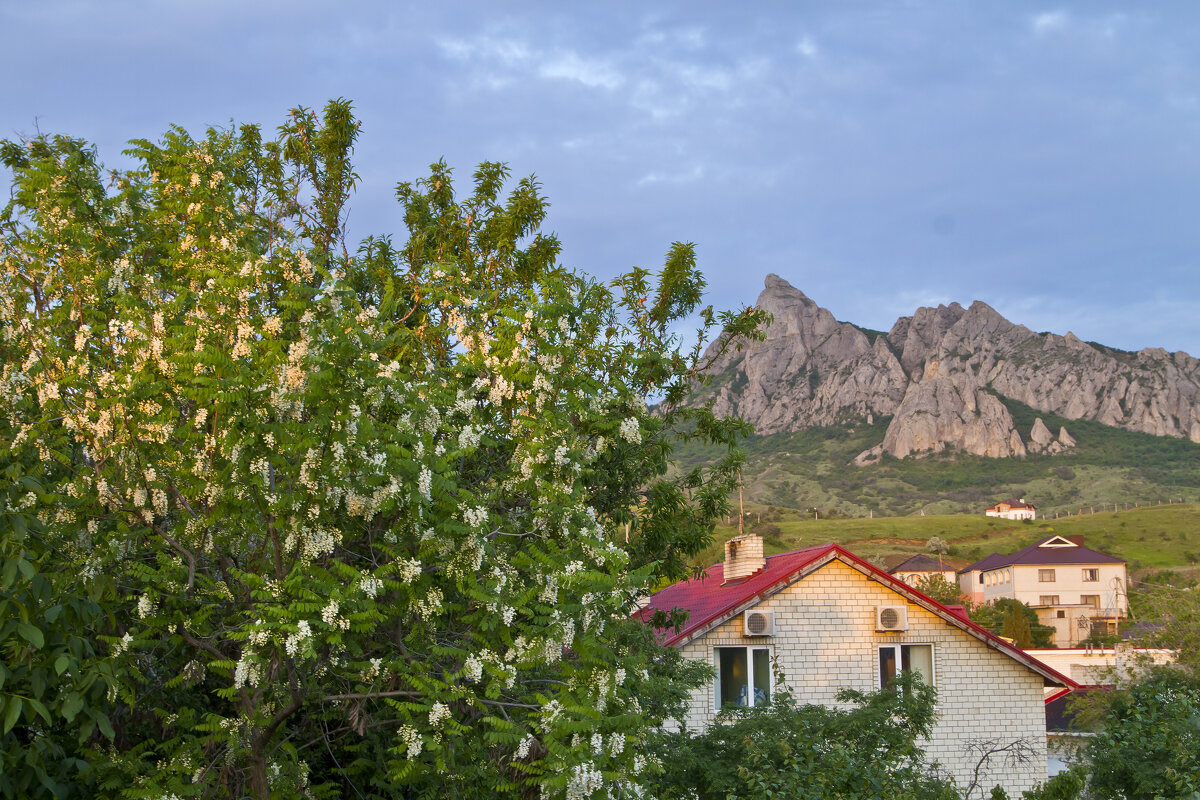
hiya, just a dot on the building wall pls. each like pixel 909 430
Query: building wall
pixel 968 584
pixel 1005 512
pixel 826 640
pixel 913 578
pixel 1070 586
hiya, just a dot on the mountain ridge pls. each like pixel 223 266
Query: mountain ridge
pixel 941 375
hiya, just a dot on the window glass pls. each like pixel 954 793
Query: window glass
pixel 1092 600
pixel 743 676
pixel 762 676
pixel 887 665
pixel 1091 574
pixel 918 657
pixel 1046 575
pixel 733 677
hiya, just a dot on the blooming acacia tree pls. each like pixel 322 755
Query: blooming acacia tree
pixel 373 519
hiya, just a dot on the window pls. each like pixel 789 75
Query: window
pixel 1092 600
pixel 917 657
pixel 981 577
pixel 1061 614
pixel 743 676
pixel 1048 600
pixel 1091 574
pixel 1046 575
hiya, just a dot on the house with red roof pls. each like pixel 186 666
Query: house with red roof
pixel 821 619
pixel 1073 588
pixel 1012 509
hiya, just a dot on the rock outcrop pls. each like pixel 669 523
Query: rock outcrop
pixel 941 375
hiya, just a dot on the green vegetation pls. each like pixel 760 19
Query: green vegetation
pixel 813 468
pixel 278 521
pixel 1166 536
pixel 868 750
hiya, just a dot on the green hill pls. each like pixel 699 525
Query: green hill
pixel 1158 537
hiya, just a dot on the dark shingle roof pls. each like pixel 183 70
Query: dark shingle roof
pixel 922 563
pixel 1037 554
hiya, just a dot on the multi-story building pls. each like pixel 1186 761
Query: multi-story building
pixel 1073 588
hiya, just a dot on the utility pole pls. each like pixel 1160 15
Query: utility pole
pixel 741 509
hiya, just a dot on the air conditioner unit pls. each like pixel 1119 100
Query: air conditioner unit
pixel 891 618
pixel 758 623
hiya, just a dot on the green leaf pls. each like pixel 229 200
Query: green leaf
pixel 9 574
pixel 26 567
pixel 105 726
pixel 14 711
pixel 41 709
pixel 61 663
pixel 72 707
pixel 31 634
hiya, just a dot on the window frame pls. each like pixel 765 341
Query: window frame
pixel 1049 600
pixel 1043 573
pixel 1091 574
pixel 898 649
pixel 1084 601
pixel 750 687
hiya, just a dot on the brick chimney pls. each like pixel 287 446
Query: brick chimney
pixel 1077 538
pixel 743 556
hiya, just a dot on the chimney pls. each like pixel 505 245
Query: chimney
pixel 743 557
pixel 1077 538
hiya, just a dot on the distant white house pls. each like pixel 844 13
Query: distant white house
pixel 1012 509
pixel 822 619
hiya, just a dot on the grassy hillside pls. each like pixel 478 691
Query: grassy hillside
pixel 1166 536
pixel 813 468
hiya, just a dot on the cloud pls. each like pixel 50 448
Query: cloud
pixel 572 67
pixel 1048 22
pixel 692 175
pixel 508 52
pixel 807 47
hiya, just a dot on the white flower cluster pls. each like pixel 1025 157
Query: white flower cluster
pixel 523 747
pixel 475 517
pixel 295 642
pixel 372 672
pixel 408 570
pixel 145 606
pixel 630 431
pixel 411 739
pixel 371 586
pixel 473 669
pixel 425 483
pixel 584 782
pixel 258 635
pixel 438 713
pixel 331 617
pixel 468 437
pixel 431 604
pixel 123 644
pixel 247 672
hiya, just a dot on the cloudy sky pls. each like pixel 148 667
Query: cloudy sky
pixel 1042 157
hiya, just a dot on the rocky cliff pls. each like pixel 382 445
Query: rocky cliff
pixel 940 375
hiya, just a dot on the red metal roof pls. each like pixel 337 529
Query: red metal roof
pixel 709 603
pixel 707 599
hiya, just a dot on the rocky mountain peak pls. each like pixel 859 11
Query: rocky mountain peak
pixel 942 375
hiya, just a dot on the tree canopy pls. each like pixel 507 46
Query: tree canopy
pixel 290 517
